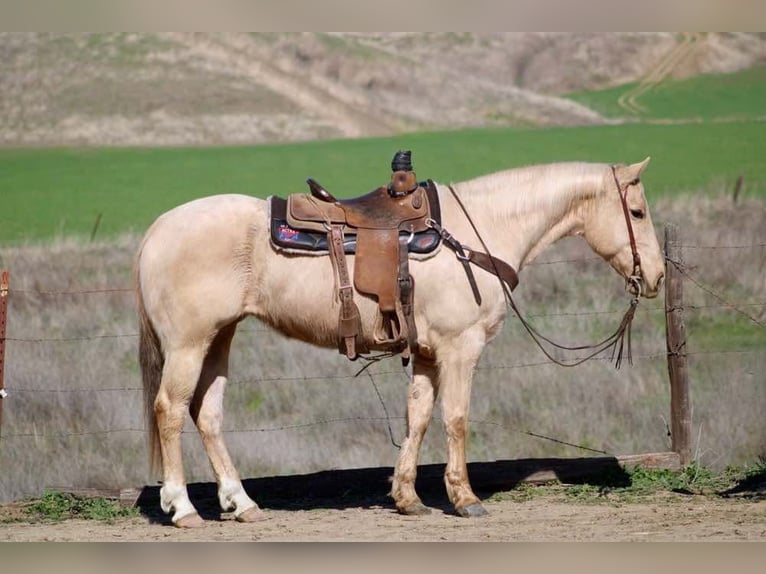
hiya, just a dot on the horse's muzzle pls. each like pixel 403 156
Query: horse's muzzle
pixel 651 291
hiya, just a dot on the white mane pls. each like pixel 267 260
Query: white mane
pixel 550 187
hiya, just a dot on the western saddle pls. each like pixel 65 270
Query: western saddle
pixel 381 228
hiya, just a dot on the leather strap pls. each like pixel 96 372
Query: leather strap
pixel 624 200
pixel 406 296
pixel 615 341
pixel 485 261
pixel 457 247
pixel 495 266
pixel 349 321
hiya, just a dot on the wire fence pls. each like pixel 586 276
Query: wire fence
pixel 722 304
pixel 753 311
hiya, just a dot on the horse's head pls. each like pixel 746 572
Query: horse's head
pixel 618 213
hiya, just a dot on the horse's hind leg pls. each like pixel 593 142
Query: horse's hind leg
pixel 179 379
pixel 207 411
pixel 420 403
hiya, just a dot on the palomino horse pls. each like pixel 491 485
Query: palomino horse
pixel 205 265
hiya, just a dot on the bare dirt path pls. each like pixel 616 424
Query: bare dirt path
pixel 690 41
pixel 671 517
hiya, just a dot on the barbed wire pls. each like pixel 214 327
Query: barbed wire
pixel 588 313
pixel 71 291
pixel 267 379
pixel 108 290
pixel 336 377
pixel 724 305
pixel 644 357
pixel 745 246
pixel 265 329
pixel 684 270
pixel 69 339
pixel 560 261
pixel 302 426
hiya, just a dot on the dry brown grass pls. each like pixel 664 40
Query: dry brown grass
pixel 181 89
pixel 72 371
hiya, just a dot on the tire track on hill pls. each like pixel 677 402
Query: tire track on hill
pixel 499 85
pixel 248 60
pixel 690 43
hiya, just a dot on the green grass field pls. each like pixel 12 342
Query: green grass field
pixel 710 97
pixel 49 193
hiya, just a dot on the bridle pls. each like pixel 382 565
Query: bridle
pixel 635 279
pixel 509 279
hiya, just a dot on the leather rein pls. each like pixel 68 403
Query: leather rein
pixel 508 278
pixel 636 277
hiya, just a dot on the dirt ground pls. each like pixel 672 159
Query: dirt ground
pixel 353 505
pixel 670 517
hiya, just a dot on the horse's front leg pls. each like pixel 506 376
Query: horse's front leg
pixel 420 403
pixel 456 376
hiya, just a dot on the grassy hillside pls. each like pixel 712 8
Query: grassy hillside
pixel 49 193
pixel 710 97
pixel 176 89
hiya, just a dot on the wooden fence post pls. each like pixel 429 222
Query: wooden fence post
pixel 675 334
pixel 3 320
pixel 738 187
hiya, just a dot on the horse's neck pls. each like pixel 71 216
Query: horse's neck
pixel 520 213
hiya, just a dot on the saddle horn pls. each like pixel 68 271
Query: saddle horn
pixel 320 192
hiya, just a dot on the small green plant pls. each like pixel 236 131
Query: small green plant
pixel 756 469
pixel 255 402
pixel 693 479
pixel 643 483
pixel 584 492
pixel 57 506
pixel 522 492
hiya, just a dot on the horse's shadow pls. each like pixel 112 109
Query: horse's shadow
pixel 751 487
pixel 369 487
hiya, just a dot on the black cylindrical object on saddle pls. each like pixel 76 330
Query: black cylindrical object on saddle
pixel 402 161
pixel 403 179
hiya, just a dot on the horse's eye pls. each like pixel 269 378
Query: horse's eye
pixel 637 213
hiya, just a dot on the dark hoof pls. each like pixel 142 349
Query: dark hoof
pixel 417 509
pixel 472 511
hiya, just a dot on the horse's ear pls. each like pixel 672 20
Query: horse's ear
pixel 640 167
pixel 631 173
